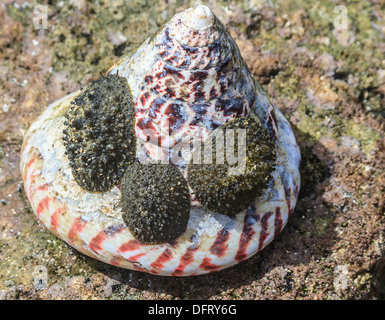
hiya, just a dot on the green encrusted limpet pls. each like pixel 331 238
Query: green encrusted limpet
pixel 99 133
pixel 155 202
pixel 215 186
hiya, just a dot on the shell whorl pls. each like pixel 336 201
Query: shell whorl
pixel 191 72
pixel 191 79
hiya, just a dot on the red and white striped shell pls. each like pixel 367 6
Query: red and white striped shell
pixel 187 79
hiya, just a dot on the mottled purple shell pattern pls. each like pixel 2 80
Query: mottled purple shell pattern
pixel 189 82
pixel 189 78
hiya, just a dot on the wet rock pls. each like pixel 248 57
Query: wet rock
pixel 329 83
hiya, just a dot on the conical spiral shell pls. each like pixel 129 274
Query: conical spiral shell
pixel 193 57
pixel 188 81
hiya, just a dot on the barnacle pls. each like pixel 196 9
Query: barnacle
pixel 155 202
pixel 99 133
pixel 230 192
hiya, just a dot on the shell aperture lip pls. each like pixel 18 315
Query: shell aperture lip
pixel 99 133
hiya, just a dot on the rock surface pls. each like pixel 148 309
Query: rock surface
pixel 330 84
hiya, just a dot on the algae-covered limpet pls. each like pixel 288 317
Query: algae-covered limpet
pixel 98 164
pixel 214 184
pixel 155 202
pixel 99 133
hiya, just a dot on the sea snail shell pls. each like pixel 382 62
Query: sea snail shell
pixel 187 80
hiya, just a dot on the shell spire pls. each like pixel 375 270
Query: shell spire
pixel 198 18
pixel 191 79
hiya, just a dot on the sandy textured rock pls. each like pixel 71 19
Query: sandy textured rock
pixel 329 86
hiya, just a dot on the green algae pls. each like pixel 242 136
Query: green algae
pixel 88 48
pixel 366 136
pixel 34 248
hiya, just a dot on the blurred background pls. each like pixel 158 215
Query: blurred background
pixel 322 64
